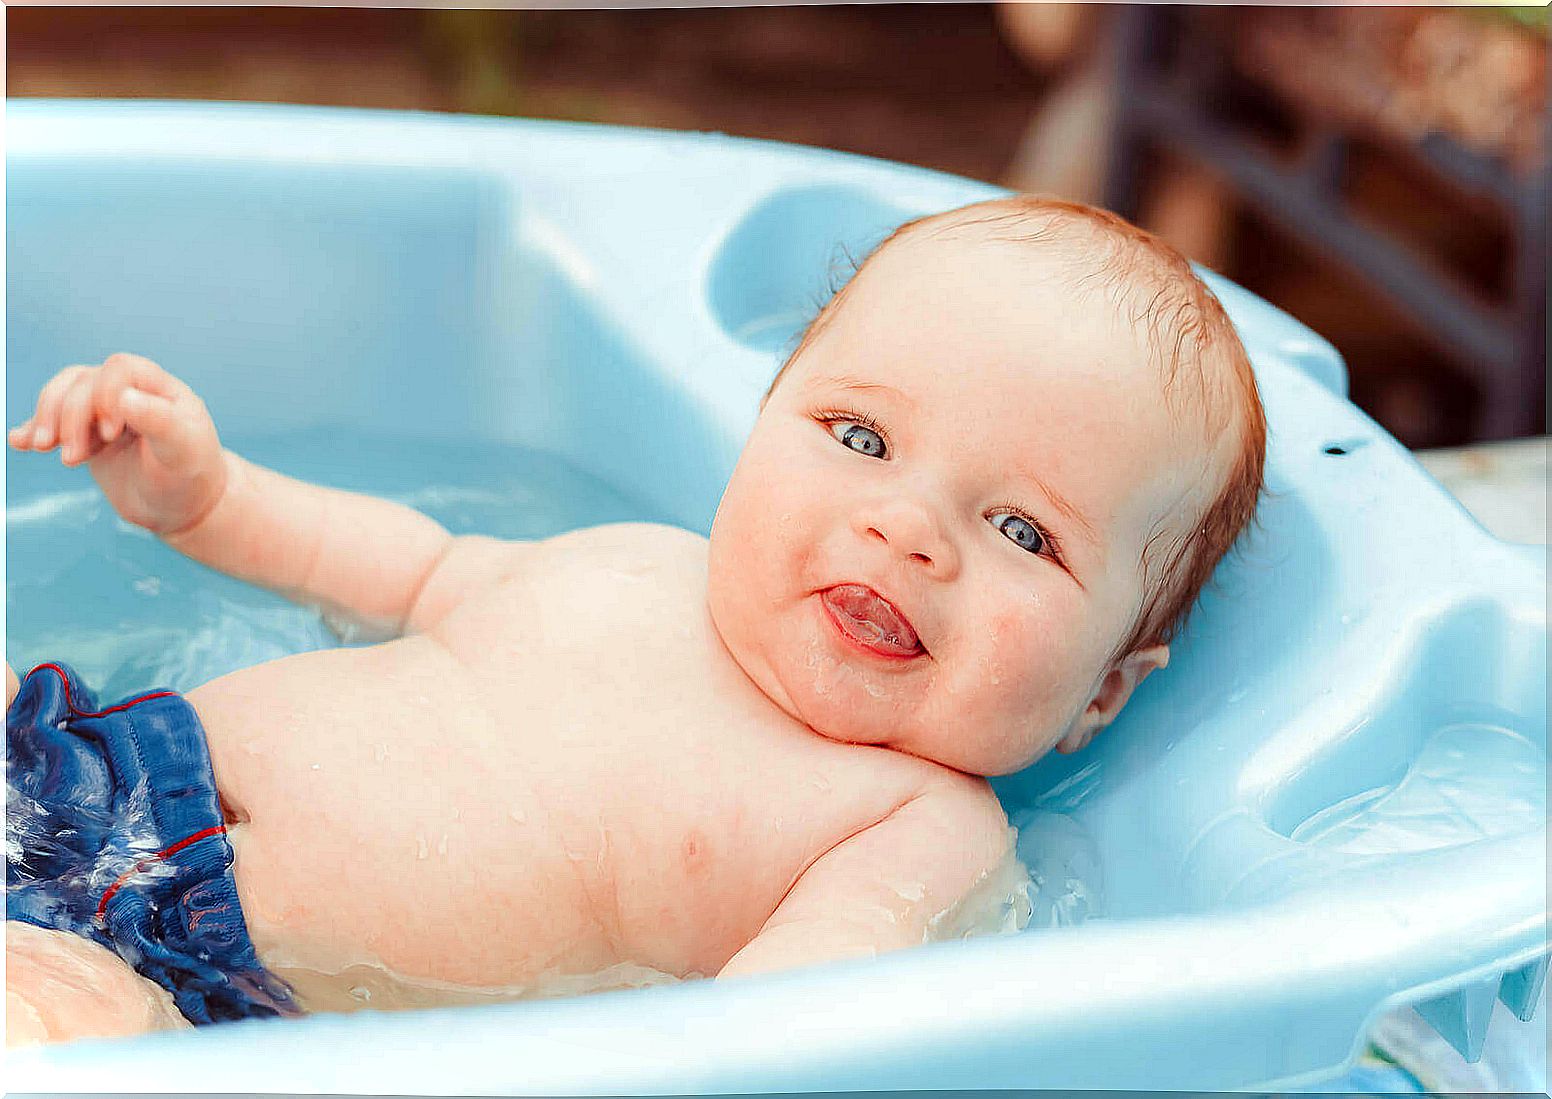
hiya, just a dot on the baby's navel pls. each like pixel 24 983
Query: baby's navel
pixel 695 851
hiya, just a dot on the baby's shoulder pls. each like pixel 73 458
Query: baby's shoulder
pixel 630 534
pixel 968 802
pixel 633 536
pixel 960 809
pixel 475 564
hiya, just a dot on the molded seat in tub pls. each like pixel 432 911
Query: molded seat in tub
pixel 1332 802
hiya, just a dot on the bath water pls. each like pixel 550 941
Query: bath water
pixel 1470 781
pixel 84 587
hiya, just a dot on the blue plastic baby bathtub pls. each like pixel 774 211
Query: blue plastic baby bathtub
pixel 432 278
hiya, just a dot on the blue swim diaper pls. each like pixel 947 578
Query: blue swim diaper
pixel 114 832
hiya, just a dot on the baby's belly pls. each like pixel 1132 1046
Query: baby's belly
pixel 394 846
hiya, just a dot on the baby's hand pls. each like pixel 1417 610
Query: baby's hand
pixel 151 445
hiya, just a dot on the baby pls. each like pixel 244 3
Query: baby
pixel 980 497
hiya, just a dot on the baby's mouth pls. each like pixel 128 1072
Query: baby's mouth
pixel 871 620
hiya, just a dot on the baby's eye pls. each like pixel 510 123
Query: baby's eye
pixel 1020 531
pixel 859 437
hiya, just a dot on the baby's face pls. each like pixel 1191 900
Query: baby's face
pixel 932 540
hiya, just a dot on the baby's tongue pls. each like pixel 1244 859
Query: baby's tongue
pixel 871 620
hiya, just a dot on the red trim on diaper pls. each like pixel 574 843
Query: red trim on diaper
pixel 64 679
pixel 204 833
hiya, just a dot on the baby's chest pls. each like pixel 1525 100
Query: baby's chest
pixel 695 800
pixel 593 642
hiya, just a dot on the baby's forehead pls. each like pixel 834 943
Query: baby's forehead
pixel 1080 266
pixel 964 304
pixel 1035 284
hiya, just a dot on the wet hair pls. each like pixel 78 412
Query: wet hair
pixel 1205 371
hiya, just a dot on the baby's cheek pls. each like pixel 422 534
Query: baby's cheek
pixel 1024 640
pixel 1032 666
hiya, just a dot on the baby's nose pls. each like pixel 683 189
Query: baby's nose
pixel 909 529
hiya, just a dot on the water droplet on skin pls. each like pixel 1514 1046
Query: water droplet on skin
pixel 379 752
pixel 458 814
pixel 317 767
pixel 421 850
pixel 361 992
pixel 517 815
pixel 442 844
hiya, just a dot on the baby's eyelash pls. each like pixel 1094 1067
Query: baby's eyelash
pixel 830 415
pixel 834 415
pixel 1050 539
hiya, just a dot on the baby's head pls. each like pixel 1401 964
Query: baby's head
pixel 1028 428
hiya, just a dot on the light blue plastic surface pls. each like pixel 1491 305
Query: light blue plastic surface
pixel 445 277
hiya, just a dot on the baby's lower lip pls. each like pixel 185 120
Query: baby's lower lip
pixel 859 635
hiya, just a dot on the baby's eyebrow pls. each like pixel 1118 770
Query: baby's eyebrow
pixel 1066 507
pixel 846 381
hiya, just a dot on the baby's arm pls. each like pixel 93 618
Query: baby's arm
pixel 364 557
pixel 879 889
pixel 154 452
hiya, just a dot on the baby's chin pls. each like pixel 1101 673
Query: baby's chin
pixel 841 705
pixel 931 728
pixel 824 695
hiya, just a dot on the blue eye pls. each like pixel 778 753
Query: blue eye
pixel 1021 532
pixel 864 440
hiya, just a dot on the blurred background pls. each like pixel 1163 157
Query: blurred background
pixel 1380 173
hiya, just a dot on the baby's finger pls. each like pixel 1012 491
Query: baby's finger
pixel 125 371
pixel 111 381
pixel 169 433
pixel 20 436
pixel 144 374
pixel 75 420
pixel 45 421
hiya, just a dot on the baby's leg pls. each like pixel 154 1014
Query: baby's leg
pixel 60 986
pixel 12 685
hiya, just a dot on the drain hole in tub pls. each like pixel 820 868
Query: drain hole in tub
pixel 1339 447
pixel 1469 781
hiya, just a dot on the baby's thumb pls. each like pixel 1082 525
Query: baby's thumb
pixel 170 436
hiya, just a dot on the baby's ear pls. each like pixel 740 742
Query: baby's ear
pixel 1114 690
